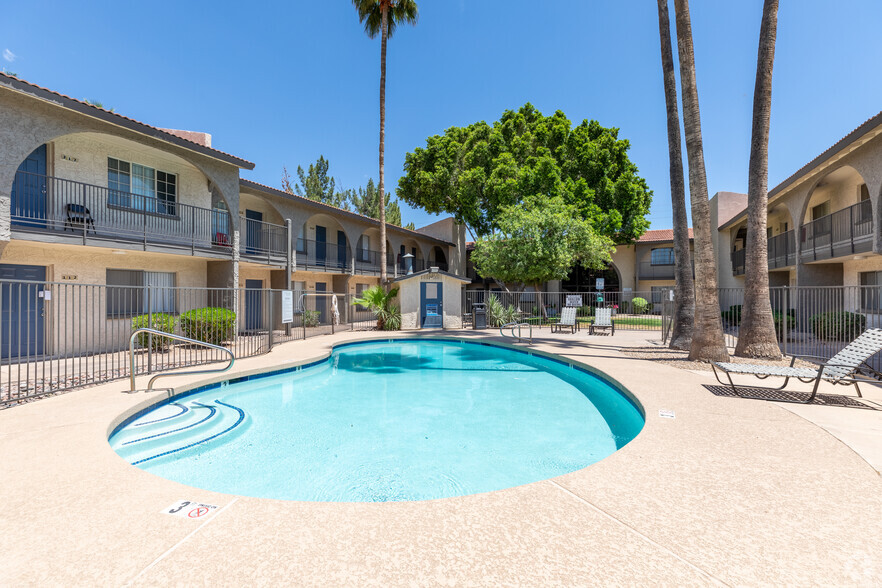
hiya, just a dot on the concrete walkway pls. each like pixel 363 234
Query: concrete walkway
pixel 729 491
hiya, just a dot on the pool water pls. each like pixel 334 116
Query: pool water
pixel 386 421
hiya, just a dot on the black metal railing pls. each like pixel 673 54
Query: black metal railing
pixel 47 204
pixel 841 233
pixel 262 241
pixel 782 250
pixel 649 271
pixel 739 260
pixel 323 256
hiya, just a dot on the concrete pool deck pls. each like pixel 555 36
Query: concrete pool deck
pixel 730 491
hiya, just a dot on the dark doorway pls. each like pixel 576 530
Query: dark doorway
pixel 253 305
pixel 29 191
pixel 21 311
pixel 321 247
pixel 253 236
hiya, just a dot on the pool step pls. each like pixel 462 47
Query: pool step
pixel 201 423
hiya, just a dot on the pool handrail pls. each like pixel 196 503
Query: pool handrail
pixel 148 330
pixel 519 326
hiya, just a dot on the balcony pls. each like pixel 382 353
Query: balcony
pixel 842 233
pixel 323 257
pixel 95 215
pixel 739 261
pixel 649 271
pixel 263 242
pixel 781 251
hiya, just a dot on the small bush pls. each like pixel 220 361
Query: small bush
pixel 780 323
pixel 837 325
pixel 311 318
pixel 161 322
pixel 733 315
pixel 393 319
pixel 640 305
pixel 209 325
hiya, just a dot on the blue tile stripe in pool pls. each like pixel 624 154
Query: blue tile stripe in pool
pixel 212 411
pixel 227 430
pixel 183 408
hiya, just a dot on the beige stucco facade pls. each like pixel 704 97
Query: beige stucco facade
pixel 409 298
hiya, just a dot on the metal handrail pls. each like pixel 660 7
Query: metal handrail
pixel 137 332
pixel 519 337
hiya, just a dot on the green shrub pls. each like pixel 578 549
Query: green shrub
pixel 780 319
pixel 209 325
pixel 393 319
pixel 733 315
pixel 586 310
pixel 837 325
pixel 161 322
pixel 498 314
pixel 311 318
pixel 640 305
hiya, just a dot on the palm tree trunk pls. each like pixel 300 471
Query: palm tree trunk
pixel 707 336
pixel 756 334
pixel 382 186
pixel 684 289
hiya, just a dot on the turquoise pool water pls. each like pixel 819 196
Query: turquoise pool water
pixel 386 421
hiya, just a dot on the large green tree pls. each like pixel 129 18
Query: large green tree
pixel 383 17
pixel 315 184
pixel 537 240
pixel 475 172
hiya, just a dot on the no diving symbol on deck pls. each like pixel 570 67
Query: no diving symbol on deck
pixel 190 509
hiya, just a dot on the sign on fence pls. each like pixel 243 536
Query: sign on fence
pixel 574 300
pixel 287 306
pixel 600 283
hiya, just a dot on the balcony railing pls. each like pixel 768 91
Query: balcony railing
pixel 739 260
pixel 649 271
pixel 323 256
pixel 844 232
pixel 781 252
pixel 45 204
pixel 263 241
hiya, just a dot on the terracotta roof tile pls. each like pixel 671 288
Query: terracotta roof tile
pixel 108 116
pixel 659 236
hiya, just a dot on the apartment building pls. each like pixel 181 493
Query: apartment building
pixel 89 196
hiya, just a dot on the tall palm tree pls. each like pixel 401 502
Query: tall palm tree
pixel 383 16
pixel 684 289
pixel 707 336
pixel 756 335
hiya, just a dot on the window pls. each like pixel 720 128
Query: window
pixel 662 256
pixel 140 187
pixel 871 291
pixel 364 250
pixel 865 193
pixel 127 292
pixel 822 209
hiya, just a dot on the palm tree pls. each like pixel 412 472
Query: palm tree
pixel 756 335
pixel 707 336
pixel 383 16
pixel 684 289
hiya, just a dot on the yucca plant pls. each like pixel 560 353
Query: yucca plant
pixel 380 302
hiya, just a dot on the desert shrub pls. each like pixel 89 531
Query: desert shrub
pixel 161 322
pixel 311 318
pixel 498 314
pixel 837 325
pixel 640 305
pixel 733 315
pixel 393 319
pixel 209 325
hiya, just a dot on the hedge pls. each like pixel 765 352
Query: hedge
pixel 161 322
pixel 837 325
pixel 209 325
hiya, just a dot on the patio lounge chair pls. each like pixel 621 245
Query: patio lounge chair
pixel 567 320
pixel 842 368
pixel 602 320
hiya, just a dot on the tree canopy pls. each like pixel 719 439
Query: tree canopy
pixel 538 240
pixel 475 172
pixel 366 201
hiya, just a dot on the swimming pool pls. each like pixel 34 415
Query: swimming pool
pixel 383 421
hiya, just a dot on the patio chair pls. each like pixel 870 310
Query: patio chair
pixel 602 320
pixel 841 369
pixel 567 320
pixel 78 217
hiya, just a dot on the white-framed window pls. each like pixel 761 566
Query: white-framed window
pixel 662 256
pixel 139 187
pixel 127 293
pixel 364 251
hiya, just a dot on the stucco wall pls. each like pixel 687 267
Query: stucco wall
pixel 409 299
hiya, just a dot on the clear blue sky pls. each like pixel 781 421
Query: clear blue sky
pixel 281 85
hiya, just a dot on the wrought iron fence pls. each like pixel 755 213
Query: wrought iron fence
pixel 631 310
pixel 59 335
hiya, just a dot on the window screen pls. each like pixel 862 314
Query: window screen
pixel 127 293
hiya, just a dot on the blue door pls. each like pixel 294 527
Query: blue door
pixel 21 311
pixel 253 305
pixel 253 236
pixel 341 249
pixel 29 191
pixel 321 240
pixel 431 304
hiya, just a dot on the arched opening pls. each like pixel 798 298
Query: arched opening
pixel 107 188
pixel 412 247
pixel 322 244
pixel 837 217
pixel 437 258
